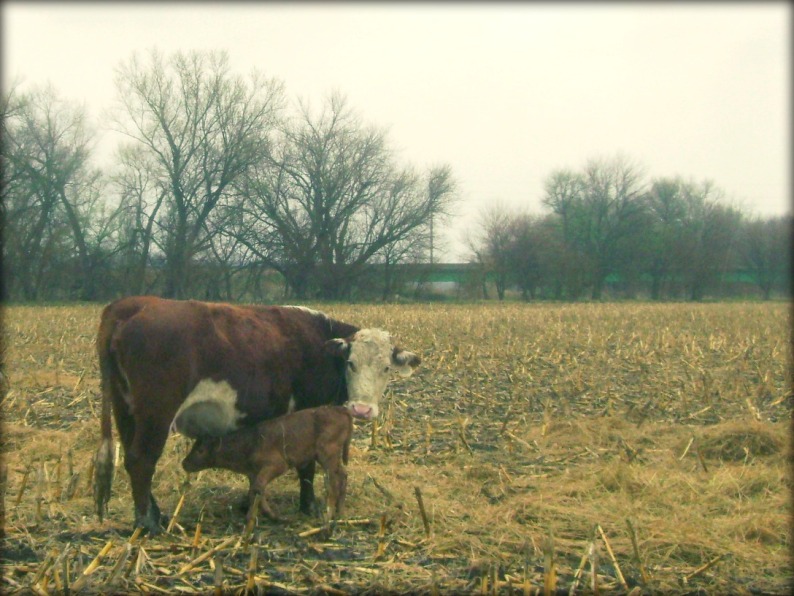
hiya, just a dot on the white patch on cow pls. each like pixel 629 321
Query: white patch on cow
pixel 125 391
pixel 210 409
pixel 291 405
pixel 367 373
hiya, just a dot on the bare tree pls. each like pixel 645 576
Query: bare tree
pixel 526 253
pixel 766 252
pixel 204 127
pixel 612 208
pixel 706 246
pixel 490 247
pixel 331 199
pixel 599 210
pixel 667 209
pixel 141 196
pixel 441 187
pixel 421 244
pixel 51 196
pixel 564 195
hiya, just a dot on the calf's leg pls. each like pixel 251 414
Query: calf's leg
pixel 332 495
pixel 335 483
pixel 259 483
pixel 341 491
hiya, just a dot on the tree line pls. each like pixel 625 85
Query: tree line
pixel 223 189
pixel 665 239
pixel 217 184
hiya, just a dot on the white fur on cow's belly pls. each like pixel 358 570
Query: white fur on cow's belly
pixel 210 409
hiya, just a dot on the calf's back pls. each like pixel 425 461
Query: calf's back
pixel 297 438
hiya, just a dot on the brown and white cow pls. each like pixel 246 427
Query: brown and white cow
pixel 206 369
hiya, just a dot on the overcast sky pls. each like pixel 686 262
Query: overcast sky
pixel 503 93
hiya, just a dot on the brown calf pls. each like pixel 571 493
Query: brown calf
pixel 267 450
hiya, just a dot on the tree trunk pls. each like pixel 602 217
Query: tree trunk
pixel 387 280
pixel 656 286
pixel 598 286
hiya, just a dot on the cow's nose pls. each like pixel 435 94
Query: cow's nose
pixel 361 411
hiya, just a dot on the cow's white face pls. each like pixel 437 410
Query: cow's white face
pixel 370 358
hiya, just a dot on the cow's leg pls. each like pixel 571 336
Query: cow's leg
pixel 140 462
pixel 125 422
pixel 306 477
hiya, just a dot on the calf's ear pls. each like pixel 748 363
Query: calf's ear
pixel 404 361
pixel 340 348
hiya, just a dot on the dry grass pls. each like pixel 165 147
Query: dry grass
pixel 621 447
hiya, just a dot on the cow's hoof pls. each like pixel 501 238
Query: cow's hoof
pixel 313 509
pixel 243 505
pixel 153 522
pixel 149 526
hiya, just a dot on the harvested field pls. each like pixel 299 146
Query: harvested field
pixel 552 448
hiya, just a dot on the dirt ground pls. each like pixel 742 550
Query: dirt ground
pixel 538 448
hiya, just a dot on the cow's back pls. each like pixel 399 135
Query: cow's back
pixel 114 319
pixel 256 358
pixel 147 347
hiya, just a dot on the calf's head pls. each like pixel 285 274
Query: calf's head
pixel 202 455
pixel 369 358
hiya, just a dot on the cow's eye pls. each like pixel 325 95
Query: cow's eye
pixel 351 366
pixel 387 369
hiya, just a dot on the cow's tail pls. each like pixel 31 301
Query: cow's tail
pixel 104 459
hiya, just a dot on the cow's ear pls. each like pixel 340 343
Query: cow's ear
pixel 340 348
pixel 405 361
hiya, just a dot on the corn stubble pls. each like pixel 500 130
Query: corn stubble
pixel 539 448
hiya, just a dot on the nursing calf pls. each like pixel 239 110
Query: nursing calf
pixel 267 450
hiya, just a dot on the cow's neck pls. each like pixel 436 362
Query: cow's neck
pixel 338 329
pixel 340 397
